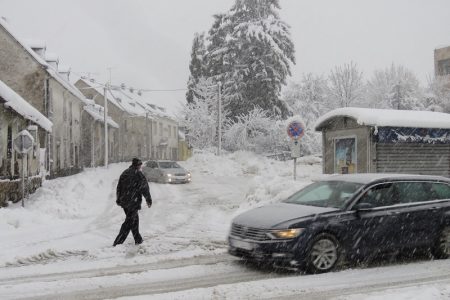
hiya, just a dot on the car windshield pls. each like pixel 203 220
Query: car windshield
pixel 168 165
pixel 325 194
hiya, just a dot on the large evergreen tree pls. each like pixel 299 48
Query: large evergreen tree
pixel 250 52
pixel 196 67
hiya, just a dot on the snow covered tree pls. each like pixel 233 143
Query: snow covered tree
pixel 437 96
pixel 200 116
pixel 345 85
pixel 250 52
pixel 395 87
pixel 196 66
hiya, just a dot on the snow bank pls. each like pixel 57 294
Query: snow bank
pixel 73 220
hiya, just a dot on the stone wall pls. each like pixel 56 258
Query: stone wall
pixel 11 190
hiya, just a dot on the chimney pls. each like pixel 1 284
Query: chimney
pixel 64 72
pixel 53 60
pixel 37 46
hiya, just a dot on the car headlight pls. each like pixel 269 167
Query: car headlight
pixel 188 174
pixel 286 233
pixel 169 175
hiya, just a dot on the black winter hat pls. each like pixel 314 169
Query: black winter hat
pixel 136 162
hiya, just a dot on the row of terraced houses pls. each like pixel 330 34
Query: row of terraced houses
pixel 66 119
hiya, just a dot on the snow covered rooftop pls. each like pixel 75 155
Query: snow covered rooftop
pixel 130 102
pixel 36 56
pixel 35 44
pixel 97 112
pixel 442 47
pixel 388 118
pixel 22 107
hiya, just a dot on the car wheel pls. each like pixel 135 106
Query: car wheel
pixel 323 254
pixel 442 249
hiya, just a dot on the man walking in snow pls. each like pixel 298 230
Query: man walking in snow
pixel 130 189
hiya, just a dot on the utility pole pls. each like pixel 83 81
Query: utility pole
pixel 219 145
pixel 106 88
pixel 147 135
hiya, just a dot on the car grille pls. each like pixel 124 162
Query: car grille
pixel 250 233
pixel 180 174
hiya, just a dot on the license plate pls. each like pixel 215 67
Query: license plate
pixel 242 244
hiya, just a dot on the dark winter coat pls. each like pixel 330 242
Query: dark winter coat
pixel 131 188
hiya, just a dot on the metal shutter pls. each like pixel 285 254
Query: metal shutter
pixel 426 159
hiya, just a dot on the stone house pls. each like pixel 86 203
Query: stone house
pixel 34 74
pixel 145 130
pixel 16 115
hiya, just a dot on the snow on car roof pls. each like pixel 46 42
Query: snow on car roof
pixel 388 118
pixel 22 107
pixel 365 178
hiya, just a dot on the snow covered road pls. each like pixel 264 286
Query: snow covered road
pixel 206 278
pixel 59 246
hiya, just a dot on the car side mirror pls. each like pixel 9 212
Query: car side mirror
pixel 362 206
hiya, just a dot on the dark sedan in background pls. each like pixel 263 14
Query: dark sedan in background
pixel 347 217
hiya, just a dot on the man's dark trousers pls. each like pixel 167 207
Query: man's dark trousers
pixel 131 223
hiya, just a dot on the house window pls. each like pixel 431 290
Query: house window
pixel 64 110
pixel 155 128
pixel 444 67
pixel 76 156
pixel 170 131
pixel 58 157
pixel 71 154
pixel 160 129
pixel 9 143
pixel 70 113
pixel 174 131
pixel 126 125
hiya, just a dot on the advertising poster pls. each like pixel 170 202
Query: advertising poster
pixel 345 155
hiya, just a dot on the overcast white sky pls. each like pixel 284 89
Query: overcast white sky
pixel 147 43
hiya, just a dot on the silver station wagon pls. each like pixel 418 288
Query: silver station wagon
pixel 165 171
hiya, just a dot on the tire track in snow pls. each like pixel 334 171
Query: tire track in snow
pixel 111 271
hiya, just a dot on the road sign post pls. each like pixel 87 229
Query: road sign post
pixel 295 131
pixel 23 143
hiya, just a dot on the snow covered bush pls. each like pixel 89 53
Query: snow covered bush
pixel 256 131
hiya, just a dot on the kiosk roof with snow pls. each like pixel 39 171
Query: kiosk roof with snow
pixel 362 140
pixel 387 118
